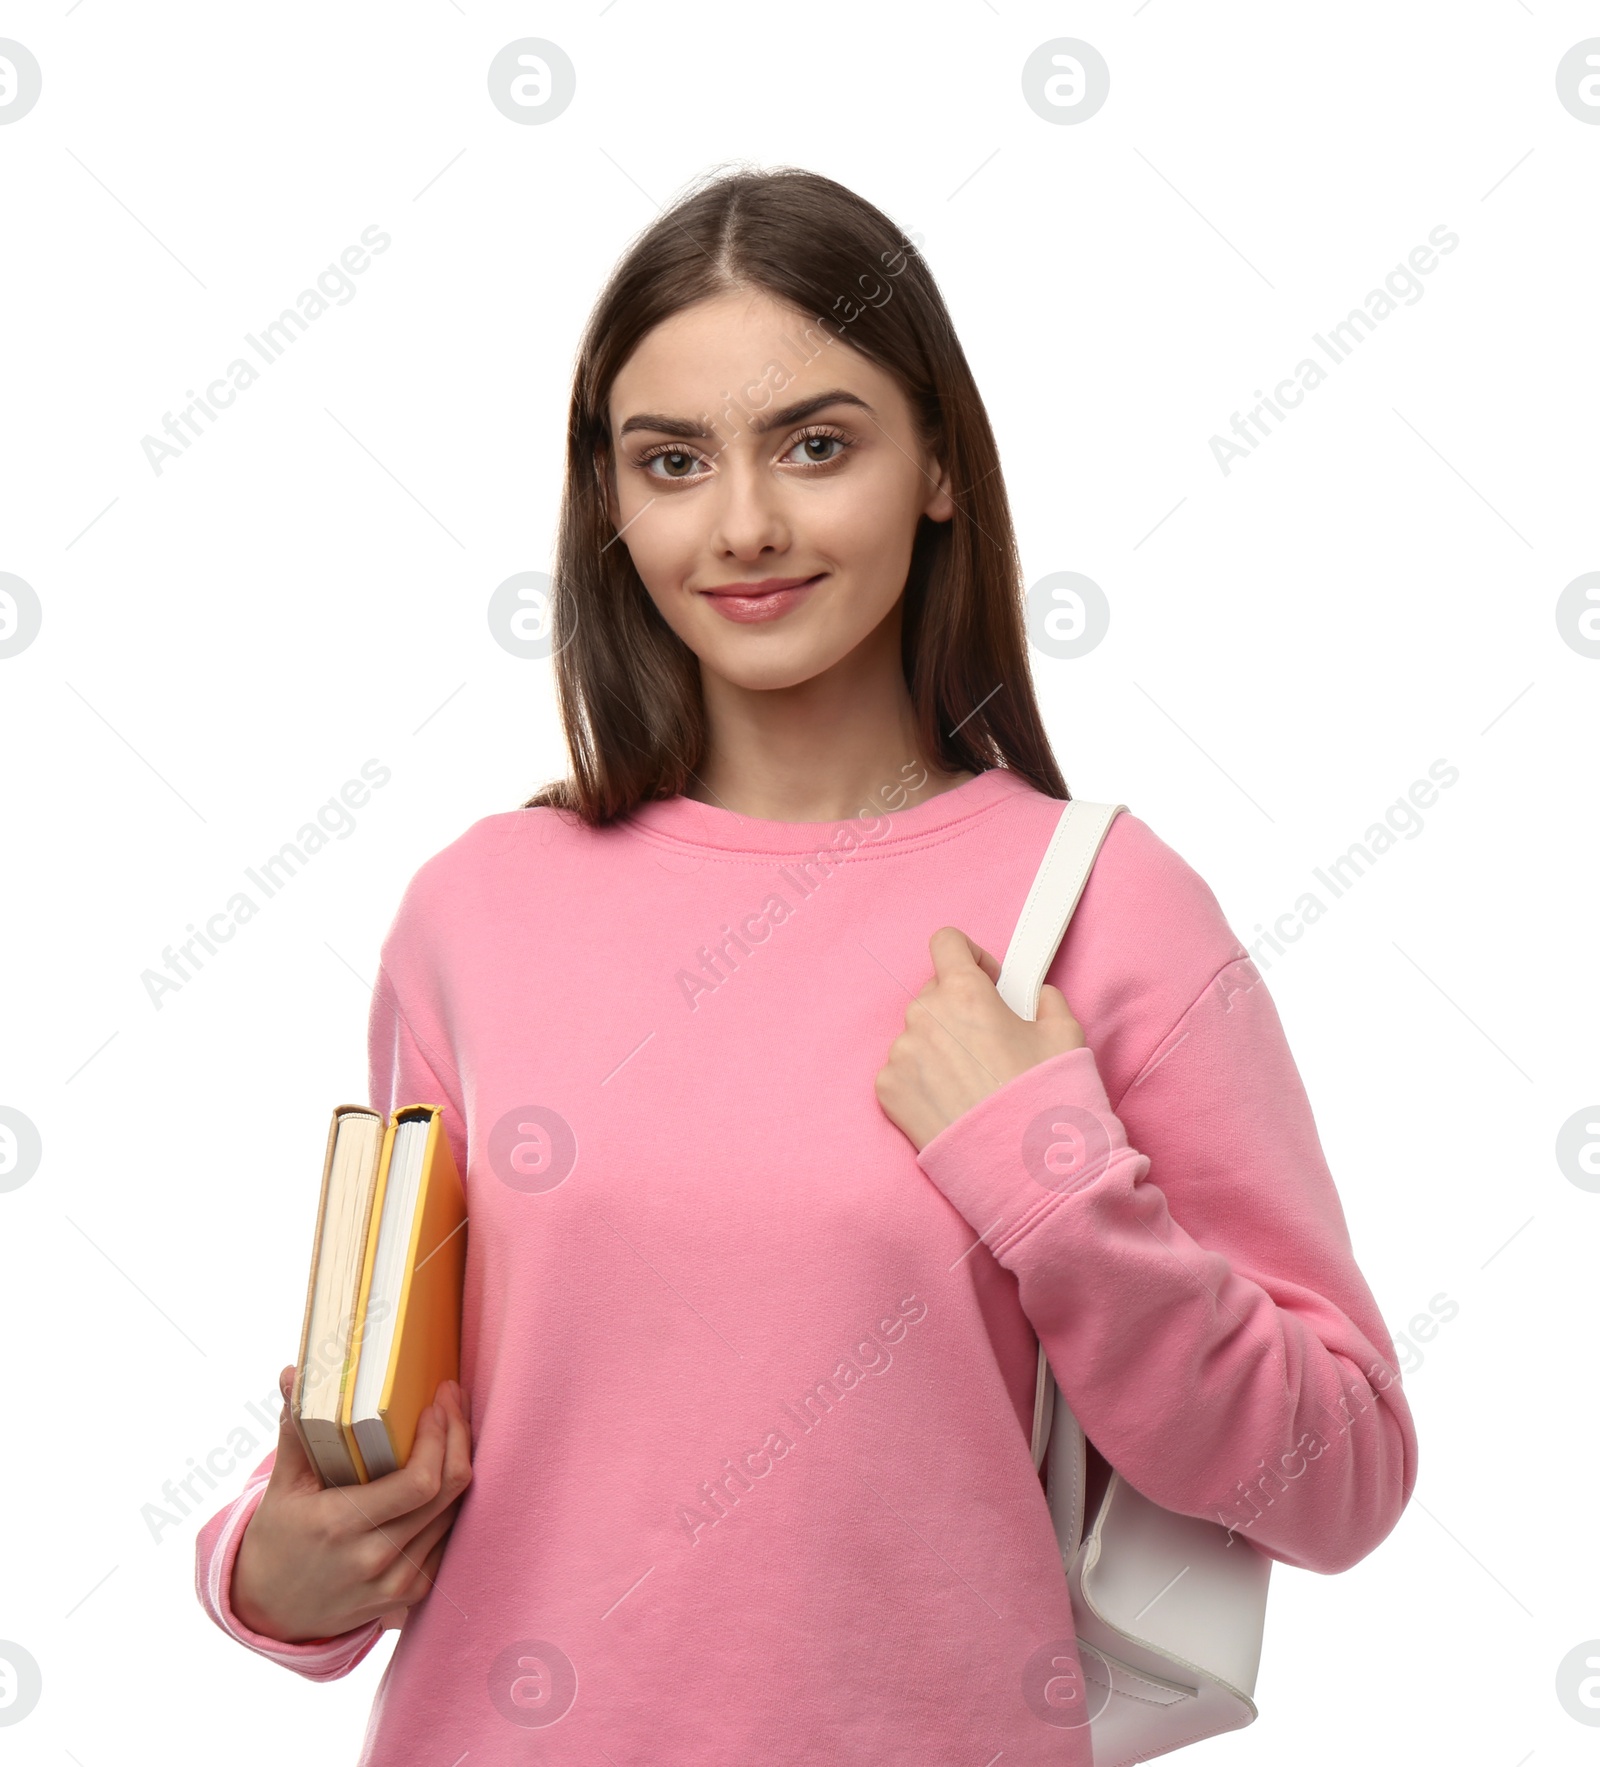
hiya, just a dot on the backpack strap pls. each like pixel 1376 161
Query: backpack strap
pixel 1063 871
pixel 1057 885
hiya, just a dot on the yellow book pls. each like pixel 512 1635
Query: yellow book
pixel 383 1310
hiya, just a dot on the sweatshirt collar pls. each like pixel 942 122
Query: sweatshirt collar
pixel 692 823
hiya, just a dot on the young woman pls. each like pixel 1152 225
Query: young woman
pixel 755 1259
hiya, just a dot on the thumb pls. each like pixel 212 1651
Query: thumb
pixel 291 1465
pixel 1053 1010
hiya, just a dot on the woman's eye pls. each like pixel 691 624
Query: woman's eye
pixel 675 459
pixel 809 442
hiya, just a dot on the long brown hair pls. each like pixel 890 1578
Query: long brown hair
pixel 628 687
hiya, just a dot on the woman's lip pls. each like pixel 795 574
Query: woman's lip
pixel 762 604
pixel 748 591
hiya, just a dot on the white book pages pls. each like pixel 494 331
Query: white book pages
pixel 383 1297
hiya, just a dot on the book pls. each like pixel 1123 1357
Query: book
pixel 382 1323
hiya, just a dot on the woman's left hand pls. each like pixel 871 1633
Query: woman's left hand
pixel 962 1041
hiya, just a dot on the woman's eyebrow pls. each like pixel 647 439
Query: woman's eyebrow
pixel 698 431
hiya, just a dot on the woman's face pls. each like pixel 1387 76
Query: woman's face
pixel 721 481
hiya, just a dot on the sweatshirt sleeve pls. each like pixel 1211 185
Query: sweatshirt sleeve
pixel 409 1059
pixel 400 1041
pixel 1186 1264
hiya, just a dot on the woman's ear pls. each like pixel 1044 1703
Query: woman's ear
pixel 940 506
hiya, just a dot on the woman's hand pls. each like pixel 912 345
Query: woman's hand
pixel 962 1041
pixel 315 1562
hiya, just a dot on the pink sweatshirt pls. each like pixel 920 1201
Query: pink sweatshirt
pixel 751 1403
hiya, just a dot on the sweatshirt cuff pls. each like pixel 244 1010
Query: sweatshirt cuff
pixel 320 1659
pixel 1045 1134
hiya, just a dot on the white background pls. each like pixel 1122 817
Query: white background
pixel 1291 645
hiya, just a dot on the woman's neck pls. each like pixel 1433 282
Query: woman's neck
pixel 809 793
